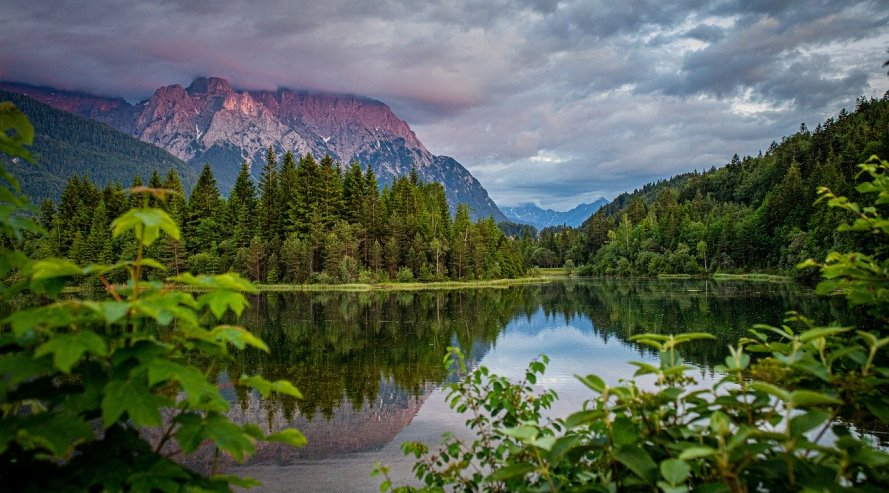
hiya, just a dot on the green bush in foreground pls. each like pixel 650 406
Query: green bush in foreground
pixel 102 394
pixel 786 415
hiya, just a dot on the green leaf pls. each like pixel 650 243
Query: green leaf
pixel 513 471
pixel 114 311
pixel 667 488
pixel 223 300
pixel 693 336
pixel 805 398
pixel 16 131
pixel 49 275
pixel 583 417
pixel 771 389
pixel 56 432
pixel 229 281
pixel 199 392
pixel 229 437
pixel 238 337
pixel 637 460
pixel 807 421
pixel 522 433
pixel 133 398
pixel 241 482
pixel 675 471
pixel 146 223
pixel 820 332
pixel 67 349
pixel 691 453
pixel 266 387
pixel 593 382
pixel 289 436
pixel 624 432
pixel 19 367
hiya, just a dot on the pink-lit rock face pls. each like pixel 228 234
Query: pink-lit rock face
pixel 210 121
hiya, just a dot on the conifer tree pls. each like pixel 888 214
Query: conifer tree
pixel 270 202
pixel 304 202
pixel 288 183
pixel 330 192
pixel 354 193
pixel 241 210
pixel 201 228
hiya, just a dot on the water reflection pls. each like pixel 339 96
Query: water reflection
pixel 366 362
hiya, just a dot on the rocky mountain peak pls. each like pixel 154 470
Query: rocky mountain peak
pixel 210 121
pixel 209 85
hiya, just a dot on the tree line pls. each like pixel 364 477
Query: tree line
pixel 303 221
pixel 753 214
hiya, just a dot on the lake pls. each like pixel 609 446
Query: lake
pixel 370 363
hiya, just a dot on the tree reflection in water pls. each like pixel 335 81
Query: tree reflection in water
pixel 365 362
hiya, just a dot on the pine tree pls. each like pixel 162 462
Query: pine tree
pixel 330 192
pixel 304 202
pixel 241 210
pixel 98 243
pixel 201 228
pixel 175 202
pixel 370 213
pixel 460 246
pixel 354 194
pixel 270 202
pixel 288 183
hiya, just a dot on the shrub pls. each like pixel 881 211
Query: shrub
pixel 84 381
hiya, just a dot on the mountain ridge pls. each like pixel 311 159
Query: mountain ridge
pixel 211 121
pixel 68 145
pixel 540 218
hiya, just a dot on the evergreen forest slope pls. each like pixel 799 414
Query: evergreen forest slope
pixel 67 145
pixel 753 214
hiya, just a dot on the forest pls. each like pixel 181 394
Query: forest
pixel 755 214
pixel 305 221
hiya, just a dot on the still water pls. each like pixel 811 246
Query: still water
pixel 370 364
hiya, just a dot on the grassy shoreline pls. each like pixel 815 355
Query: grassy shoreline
pixel 541 276
pixel 752 277
pixel 404 286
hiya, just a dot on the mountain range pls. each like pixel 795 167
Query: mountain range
pixel 543 218
pixel 211 121
pixel 67 145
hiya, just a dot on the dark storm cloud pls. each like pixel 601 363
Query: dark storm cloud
pixel 544 101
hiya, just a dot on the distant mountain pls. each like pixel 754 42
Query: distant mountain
pixel 543 218
pixel 66 145
pixel 210 121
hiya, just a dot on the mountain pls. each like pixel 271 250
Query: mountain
pixel 66 145
pixel 543 218
pixel 210 121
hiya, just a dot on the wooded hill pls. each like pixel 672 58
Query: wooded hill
pixel 67 145
pixel 753 214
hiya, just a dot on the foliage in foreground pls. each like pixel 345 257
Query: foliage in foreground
pixel 107 394
pixel 786 415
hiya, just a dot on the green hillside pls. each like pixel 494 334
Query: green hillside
pixel 753 214
pixel 67 145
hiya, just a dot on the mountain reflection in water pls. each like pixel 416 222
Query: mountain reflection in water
pixel 368 362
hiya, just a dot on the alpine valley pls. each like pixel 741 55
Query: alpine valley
pixel 211 122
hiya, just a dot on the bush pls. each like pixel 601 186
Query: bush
pixel 83 382
pixel 404 274
pixel 785 416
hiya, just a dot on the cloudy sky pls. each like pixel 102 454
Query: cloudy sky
pixel 543 101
